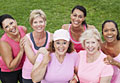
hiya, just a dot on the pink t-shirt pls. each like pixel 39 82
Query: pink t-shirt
pixel 15 50
pixel 116 75
pixel 27 66
pixel 60 72
pixel 77 45
pixel 92 72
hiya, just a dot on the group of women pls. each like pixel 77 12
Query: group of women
pixel 72 54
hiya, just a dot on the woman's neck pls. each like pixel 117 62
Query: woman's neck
pixel 40 35
pixel 77 29
pixel 93 57
pixel 15 37
pixel 111 44
pixel 60 57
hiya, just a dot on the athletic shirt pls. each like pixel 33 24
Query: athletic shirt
pixel 15 50
pixel 77 44
pixel 59 72
pixel 27 67
pixel 92 72
pixel 116 75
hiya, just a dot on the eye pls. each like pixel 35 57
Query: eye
pixel 6 26
pixel 113 30
pixel 35 22
pixel 93 42
pixel 57 42
pixel 64 42
pixel 106 30
pixel 40 21
pixel 75 15
pixel 80 16
pixel 11 23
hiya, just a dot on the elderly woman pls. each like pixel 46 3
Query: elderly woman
pixel 92 68
pixel 35 40
pixel 57 64
pixel 77 26
pixel 111 47
pixel 11 49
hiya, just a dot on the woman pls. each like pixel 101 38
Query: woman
pixel 111 47
pixel 57 64
pixel 78 26
pixel 92 68
pixel 11 49
pixel 35 40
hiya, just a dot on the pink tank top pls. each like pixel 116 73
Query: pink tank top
pixel 116 75
pixel 77 44
pixel 27 67
pixel 15 50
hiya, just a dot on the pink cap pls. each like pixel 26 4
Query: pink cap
pixel 61 34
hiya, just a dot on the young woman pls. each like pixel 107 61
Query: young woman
pixel 57 64
pixel 35 40
pixel 11 49
pixel 77 26
pixel 92 68
pixel 111 47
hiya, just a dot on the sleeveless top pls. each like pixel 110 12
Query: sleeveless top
pixel 77 44
pixel 116 74
pixel 15 50
pixel 27 67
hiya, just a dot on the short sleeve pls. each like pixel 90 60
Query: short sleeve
pixel 107 71
pixel 39 58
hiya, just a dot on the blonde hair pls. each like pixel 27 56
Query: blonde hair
pixel 35 13
pixel 90 33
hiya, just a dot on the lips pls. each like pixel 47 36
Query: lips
pixel 13 30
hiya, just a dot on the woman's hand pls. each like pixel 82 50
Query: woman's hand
pixel 109 60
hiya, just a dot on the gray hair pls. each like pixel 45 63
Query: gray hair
pixel 90 33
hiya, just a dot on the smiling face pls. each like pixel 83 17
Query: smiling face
pixel 10 26
pixel 91 46
pixel 38 24
pixel 110 32
pixel 61 46
pixel 77 17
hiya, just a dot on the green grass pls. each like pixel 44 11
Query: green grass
pixel 58 11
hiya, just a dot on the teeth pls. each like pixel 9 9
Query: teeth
pixel 76 22
pixel 13 30
pixel 109 36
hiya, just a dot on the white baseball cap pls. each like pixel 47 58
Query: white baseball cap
pixel 61 34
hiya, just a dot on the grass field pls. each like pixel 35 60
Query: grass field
pixel 58 11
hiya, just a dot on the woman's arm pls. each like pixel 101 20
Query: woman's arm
pixel 28 50
pixel 6 53
pixel 39 69
pixel 106 79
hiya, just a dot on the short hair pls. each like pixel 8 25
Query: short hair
pixel 116 26
pixel 81 8
pixel 35 13
pixel 3 17
pixel 90 33
pixel 52 48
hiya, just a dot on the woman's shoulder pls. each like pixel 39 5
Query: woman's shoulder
pixel 65 26
pixel 23 28
pixel 90 26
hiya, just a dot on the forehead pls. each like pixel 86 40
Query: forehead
pixel 91 39
pixel 7 20
pixel 61 40
pixel 38 18
pixel 109 25
pixel 77 11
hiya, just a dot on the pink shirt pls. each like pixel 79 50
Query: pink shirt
pixel 77 44
pixel 116 75
pixel 92 72
pixel 60 72
pixel 27 67
pixel 15 50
